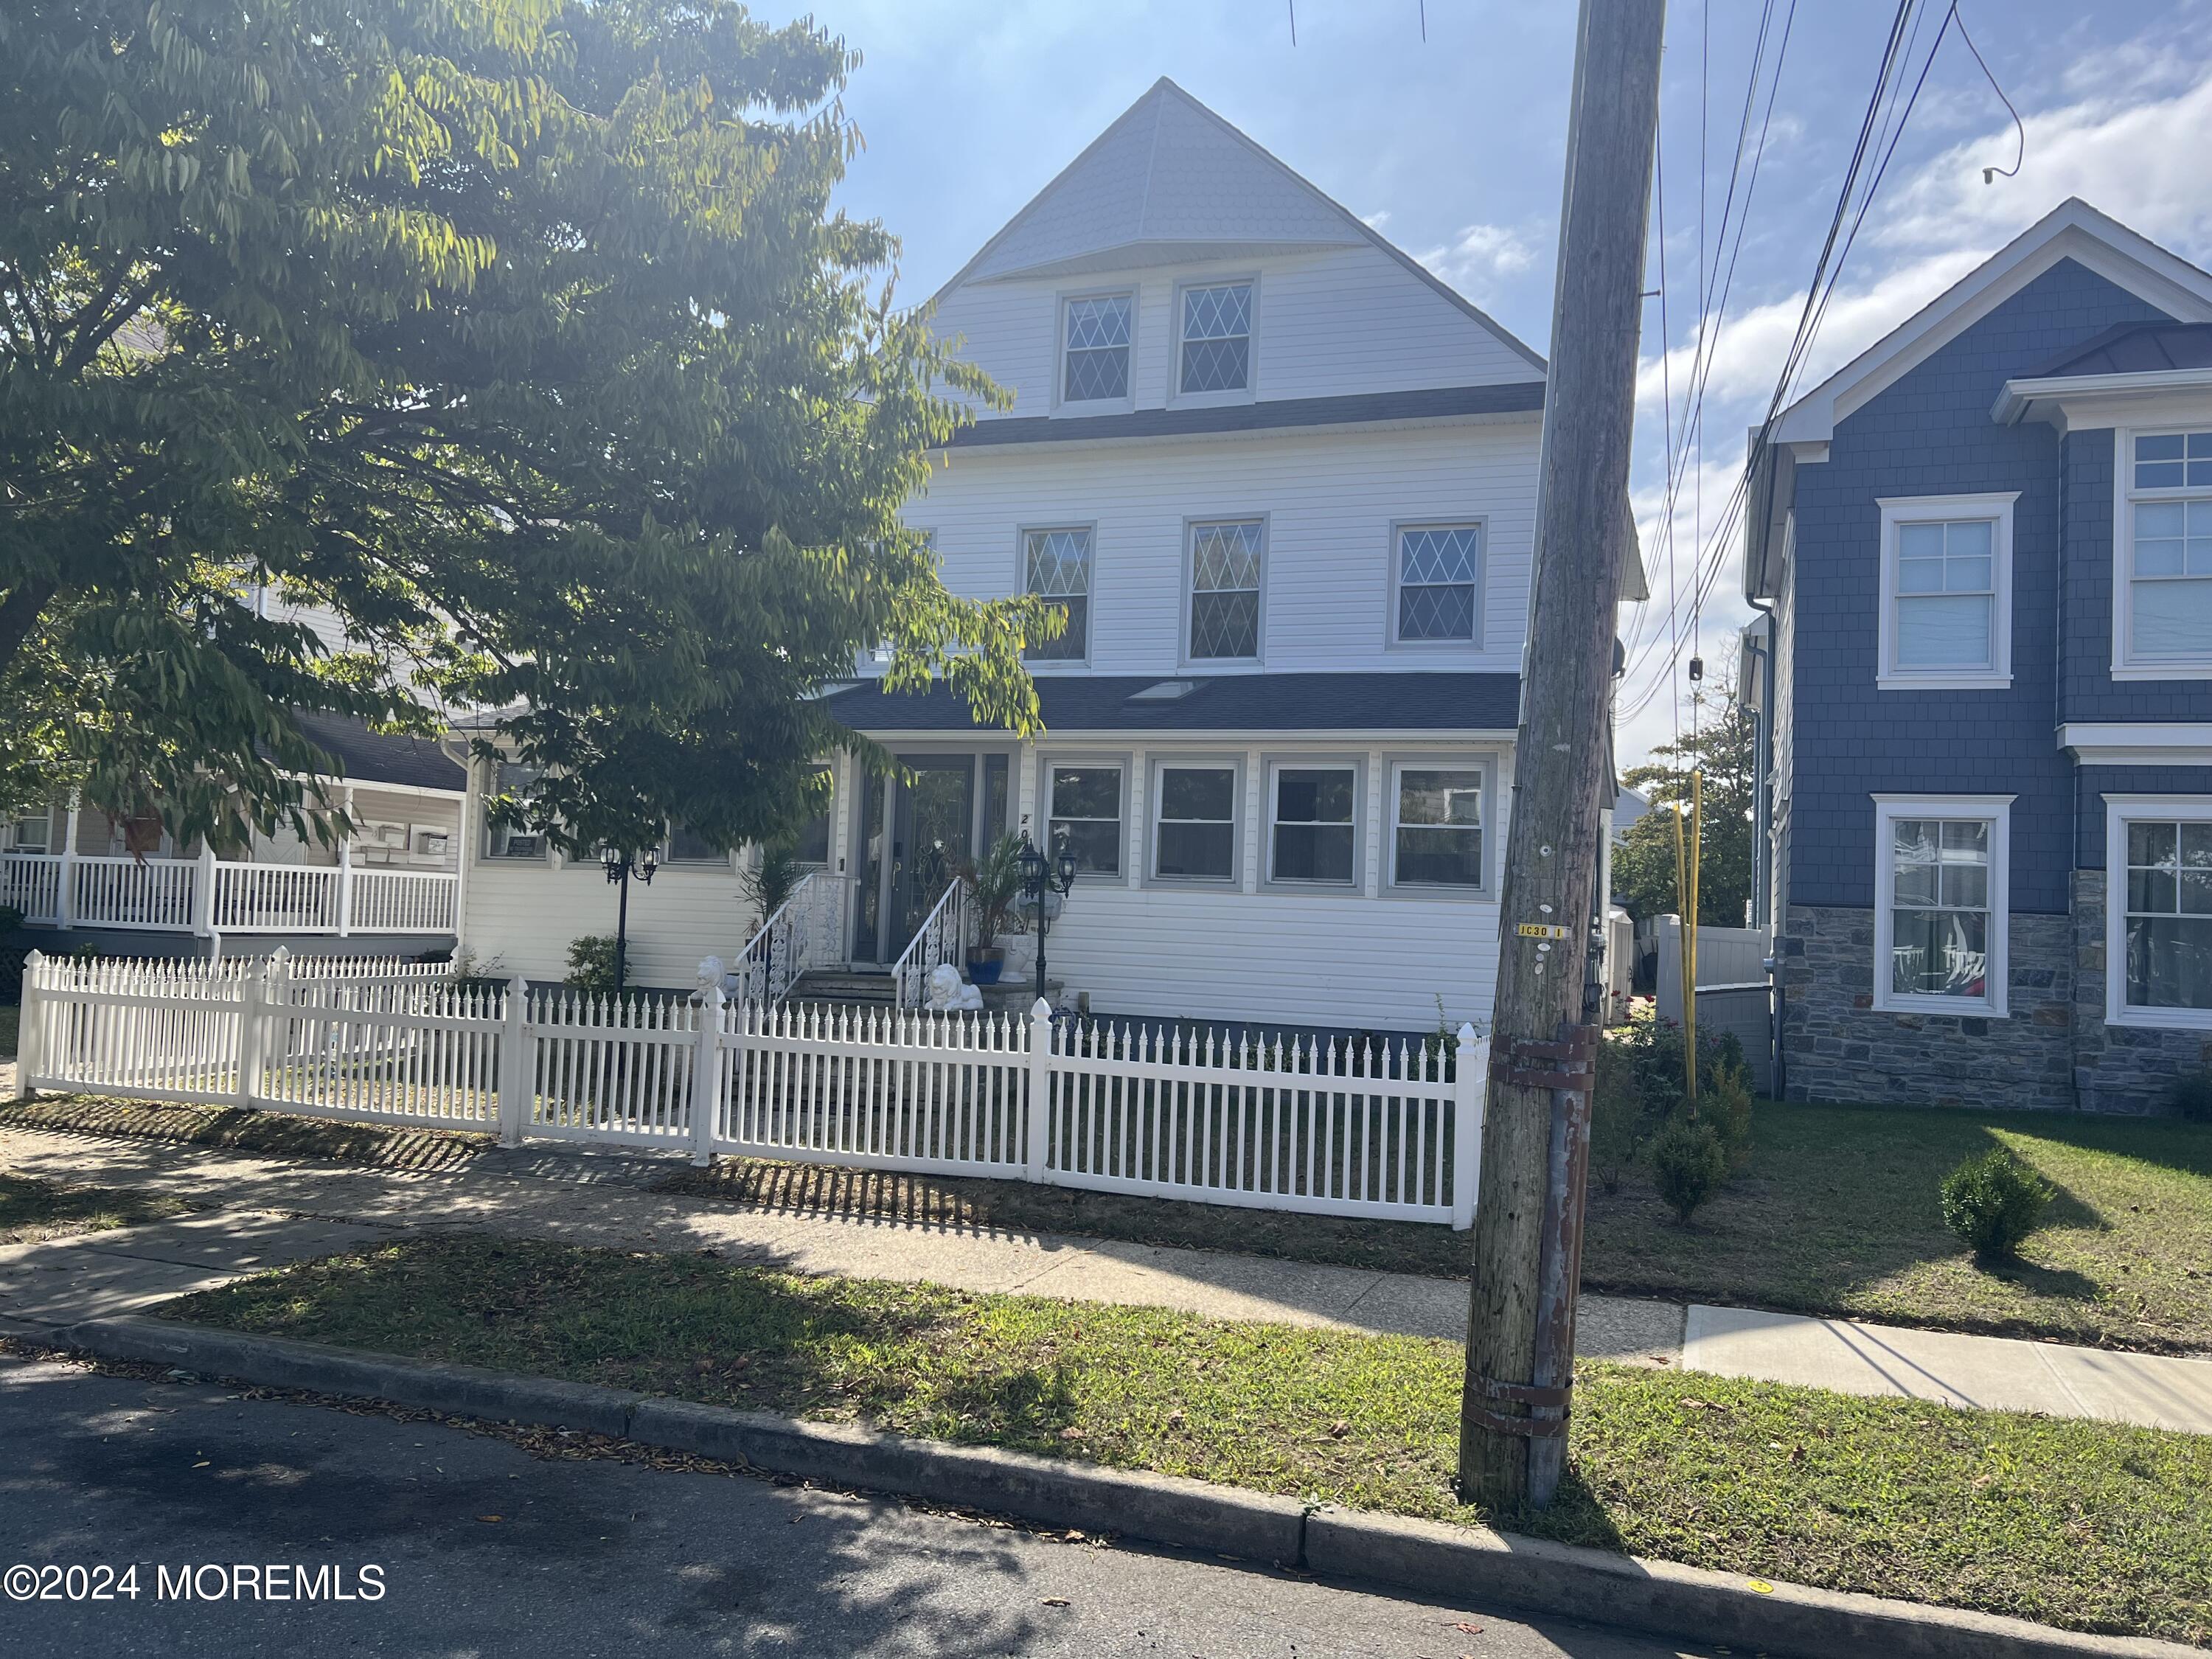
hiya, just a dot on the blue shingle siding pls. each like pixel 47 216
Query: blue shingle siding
pixel 1930 434
pixel 2087 689
pixel 2093 783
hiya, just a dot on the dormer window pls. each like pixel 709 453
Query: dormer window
pixel 1095 367
pixel 1216 352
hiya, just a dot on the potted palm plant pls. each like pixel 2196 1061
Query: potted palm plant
pixel 994 882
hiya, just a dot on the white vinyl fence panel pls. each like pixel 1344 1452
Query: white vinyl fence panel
pixel 1347 1127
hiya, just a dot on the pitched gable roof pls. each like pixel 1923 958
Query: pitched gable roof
pixel 1169 182
pixel 2072 230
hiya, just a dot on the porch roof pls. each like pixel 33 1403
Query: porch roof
pixel 1414 702
pixel 367 757
pixel 1507 398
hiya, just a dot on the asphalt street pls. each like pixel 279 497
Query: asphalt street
pixel 484 1549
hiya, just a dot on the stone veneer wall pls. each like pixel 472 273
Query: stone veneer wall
pixel 1837 1047
pixel 2118 1068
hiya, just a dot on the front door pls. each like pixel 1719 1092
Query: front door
pixel 917 830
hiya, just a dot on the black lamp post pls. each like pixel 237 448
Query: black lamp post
pixel 620 867
pixel 1040 876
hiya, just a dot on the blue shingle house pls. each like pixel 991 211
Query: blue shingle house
pixel 1984 552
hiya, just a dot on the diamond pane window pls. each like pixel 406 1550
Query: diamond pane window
pixel 1939 907
pixel 1224 589
pixel 1438 832
pixel 1439 572
pixel 1313 839
pixel 1058 563
pixel 1217 338
pixel 1097 362
pixel 2169 915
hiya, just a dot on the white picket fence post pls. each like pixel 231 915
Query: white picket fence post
pixel 706 1075
pixel 254 998
pixel 518 1066
pixel 29 1026
pixel 1471 1088
pixel 1039 1128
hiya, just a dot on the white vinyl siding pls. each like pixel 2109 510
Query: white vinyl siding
pixel 1327 325
pixel 1329 500
pixel 2158 889
pixel 1946 592
pixel 2162 593
pixel 1941 921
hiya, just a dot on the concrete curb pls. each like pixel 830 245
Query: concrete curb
pixel 1451 1565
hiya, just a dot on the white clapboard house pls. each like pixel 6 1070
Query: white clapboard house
pixel 1283 480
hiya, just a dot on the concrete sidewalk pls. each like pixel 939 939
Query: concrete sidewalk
pixel 269 1210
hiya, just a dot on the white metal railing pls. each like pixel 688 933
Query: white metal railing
pixel 32 883
pixel 942 937
pixel 803 933
pixel 1330 1127
pixel 205 895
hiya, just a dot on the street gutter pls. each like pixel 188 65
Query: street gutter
pixel 1455 1565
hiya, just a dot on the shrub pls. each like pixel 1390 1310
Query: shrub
pixel 1994 1201
pixel 10 919
pixel 1688 1161
pixel 2193 1096
pixel 592 964
pixel 1724 1102
pixel 1617 1127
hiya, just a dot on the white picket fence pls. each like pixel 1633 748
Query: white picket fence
pixel 1385 1129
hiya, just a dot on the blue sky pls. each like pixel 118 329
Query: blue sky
pixel 1451 146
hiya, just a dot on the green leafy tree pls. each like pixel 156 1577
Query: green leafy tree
pixel 1723 747
pixel 519 332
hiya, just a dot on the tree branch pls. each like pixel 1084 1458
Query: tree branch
pixel 19 614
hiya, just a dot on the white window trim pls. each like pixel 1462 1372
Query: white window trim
pixel 1474 642
pixel 2119 812
pixel 2124 546
pixel 1276 765
pixel 1061 404
pixel 488 782
pixel 1997 971
pixel 1392 767
pixel 1119 765
pixel 1190 589
pixel 1178 398
pixel 1234 765
pixel 1900 510
pixel 1043 526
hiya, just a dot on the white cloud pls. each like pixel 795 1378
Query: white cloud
pixel 1481 254
pixel 1375 219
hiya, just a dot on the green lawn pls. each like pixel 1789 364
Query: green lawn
pixel 30 1209
pixel 2094 1526
pixel 1836 1213
pixel 280 1133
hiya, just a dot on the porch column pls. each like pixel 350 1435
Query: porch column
pixel 1025 794
pixel 465 835
pixel 1134 863
pixel 1371 881
pixel 65 901
pixel 345 869
pixel 203 892
pixel 1255 818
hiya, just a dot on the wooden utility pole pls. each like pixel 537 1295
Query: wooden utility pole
pixel 1535 1139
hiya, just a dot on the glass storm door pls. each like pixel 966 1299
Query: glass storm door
pixel 916 833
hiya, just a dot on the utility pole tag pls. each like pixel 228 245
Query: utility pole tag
pixel 1540 930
